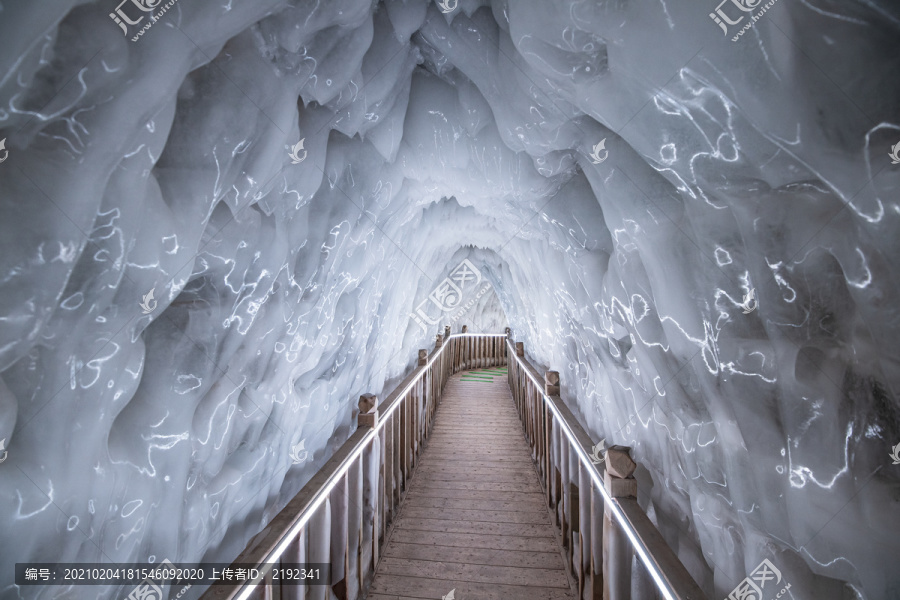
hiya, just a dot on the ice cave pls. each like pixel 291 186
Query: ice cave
pixel 222 222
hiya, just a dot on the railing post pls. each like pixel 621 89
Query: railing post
pixel 340 559
pixel 438 341
pixel 422 407
pixel 520 349
pixel 368 411
pixel 319 532
pixel 463 349
pixel 551 382
pixel 617 551
pixel 508 332
pixel 368 486
pixel 446 331
pixel 597 510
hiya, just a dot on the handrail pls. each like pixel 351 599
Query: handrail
pixel 379 469
pixel 618 492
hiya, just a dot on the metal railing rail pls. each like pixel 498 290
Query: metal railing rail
pixel 341 515
pixel 581 493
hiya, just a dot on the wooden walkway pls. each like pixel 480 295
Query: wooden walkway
pixel 475 518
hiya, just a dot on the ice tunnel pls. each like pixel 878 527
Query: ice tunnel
pixel 224 221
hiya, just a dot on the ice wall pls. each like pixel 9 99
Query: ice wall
pixel 146 428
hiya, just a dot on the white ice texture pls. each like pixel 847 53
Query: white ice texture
pixel 285 290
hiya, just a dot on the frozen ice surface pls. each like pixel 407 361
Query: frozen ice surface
pixel 145 428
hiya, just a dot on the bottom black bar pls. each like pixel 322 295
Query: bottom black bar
pixel 169 573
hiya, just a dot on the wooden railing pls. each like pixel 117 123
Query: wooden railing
pixel 604 530
pixel 341 515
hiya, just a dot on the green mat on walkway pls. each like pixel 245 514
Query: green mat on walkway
pixel 483 375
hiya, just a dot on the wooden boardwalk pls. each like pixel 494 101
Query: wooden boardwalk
pixel 475 518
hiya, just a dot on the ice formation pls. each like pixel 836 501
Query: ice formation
pixel 167 159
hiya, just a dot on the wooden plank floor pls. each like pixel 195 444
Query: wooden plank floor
pixel 474 519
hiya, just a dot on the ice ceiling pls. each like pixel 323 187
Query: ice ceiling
pixel 285 287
